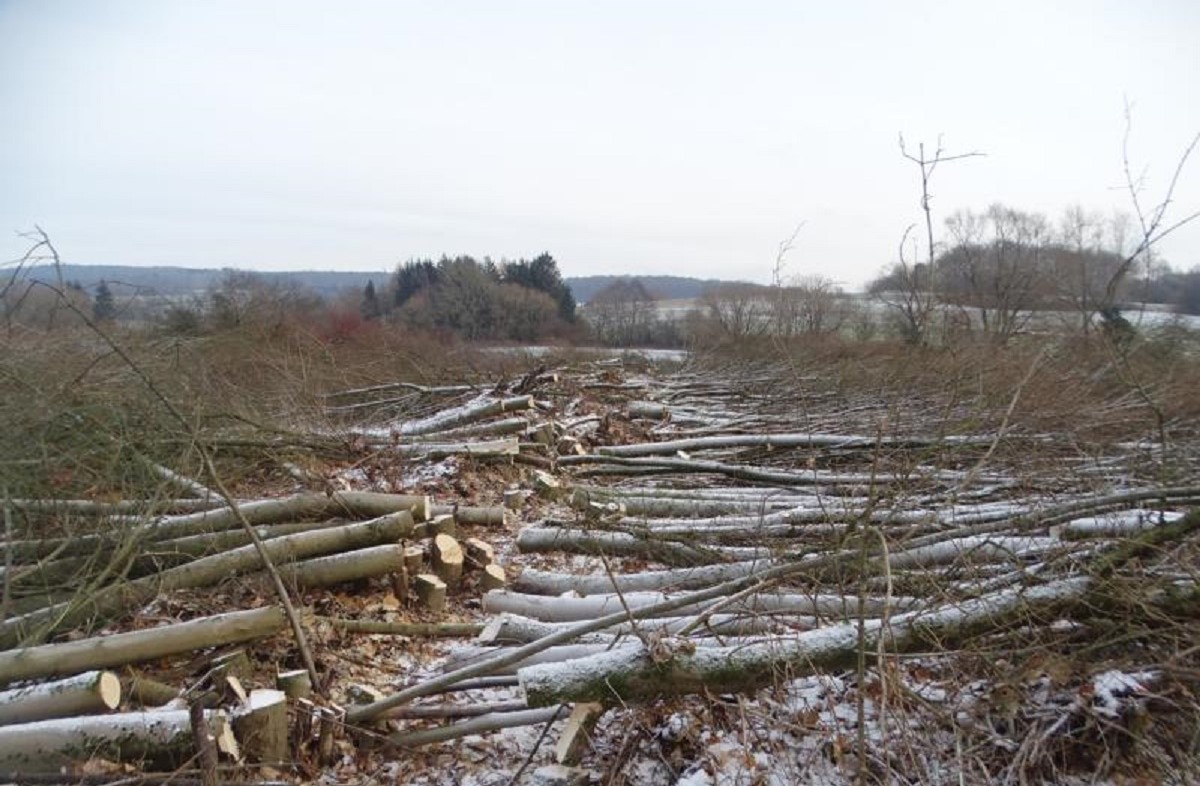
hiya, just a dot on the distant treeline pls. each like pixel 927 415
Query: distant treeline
pixel 521 300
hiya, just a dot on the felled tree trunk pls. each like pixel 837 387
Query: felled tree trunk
pixel 839 441
pixel 631 674
pixel 116 650
pixel 82 694
pixel 204 572
pixel 538 582
pixel 347 566
pixel 161 736
pixel 622 544
pixel 459 416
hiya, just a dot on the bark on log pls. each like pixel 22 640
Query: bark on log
pixel 347 566
pixel 413 629
pixel 484 723
pixel 119 649
pixel 296 684
pixel 459 416
pixel 538 582
pixel 146 692
pixel 622 544
pixel 204 572
pixel 760 475
pixel 82 694
pixel 454 710
pixel 494 428
pixel 837 441
pixel 484 516
pixel 355 504
pixel 161 736
pixel 433 451
pixel 632 675
pixel 567 609
pixel 508 628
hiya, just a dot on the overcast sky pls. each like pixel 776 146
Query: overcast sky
pixel 684 138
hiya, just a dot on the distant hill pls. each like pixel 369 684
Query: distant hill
pixel 665 287
pixel 188 280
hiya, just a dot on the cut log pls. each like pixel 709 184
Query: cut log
pixel 261 727
pixel 347 566
pixel 547 486
pixel 447 559
pixel 357 504
pixel 160 736
pixel 412 629
pixel 623 544
pixel 537 582
pixel 485 723
pixel 837 441
pixel 514 499
pixel 414 559
pixel 632 675
pixel 83 694
pixel 493 578
pixel 566 609
pixel 508 628
pixel 479 554
pixel 453 710
pixel 203 572
pixel 118 649
pixel 647 410
pixel 296 684
pixel 477 515
pixel 459 416
pixel 507 446
pixel 576 735
pixel 363 694
pixel 146 692
pixel 232 664
pixel 431 592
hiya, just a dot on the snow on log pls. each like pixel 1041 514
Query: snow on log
pixel 82 694
pixel 507 446
pixel 121 648
pixel 566 609
pixel 979 549
pixel 1128 522
pixel 508 628
pixel 813 477
pixel 539 582
pixel 161 736
pixel 623 544
pixel 468 413
pixel 630 674
pixel 837 441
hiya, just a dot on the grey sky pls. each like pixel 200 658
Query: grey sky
pixel 686 138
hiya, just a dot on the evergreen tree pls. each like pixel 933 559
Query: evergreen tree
pixel 104 308
pixel 370 308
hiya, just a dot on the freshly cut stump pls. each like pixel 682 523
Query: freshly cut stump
pixel 431 592
pixel 447 559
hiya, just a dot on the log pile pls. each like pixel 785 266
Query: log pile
pixel 724 547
